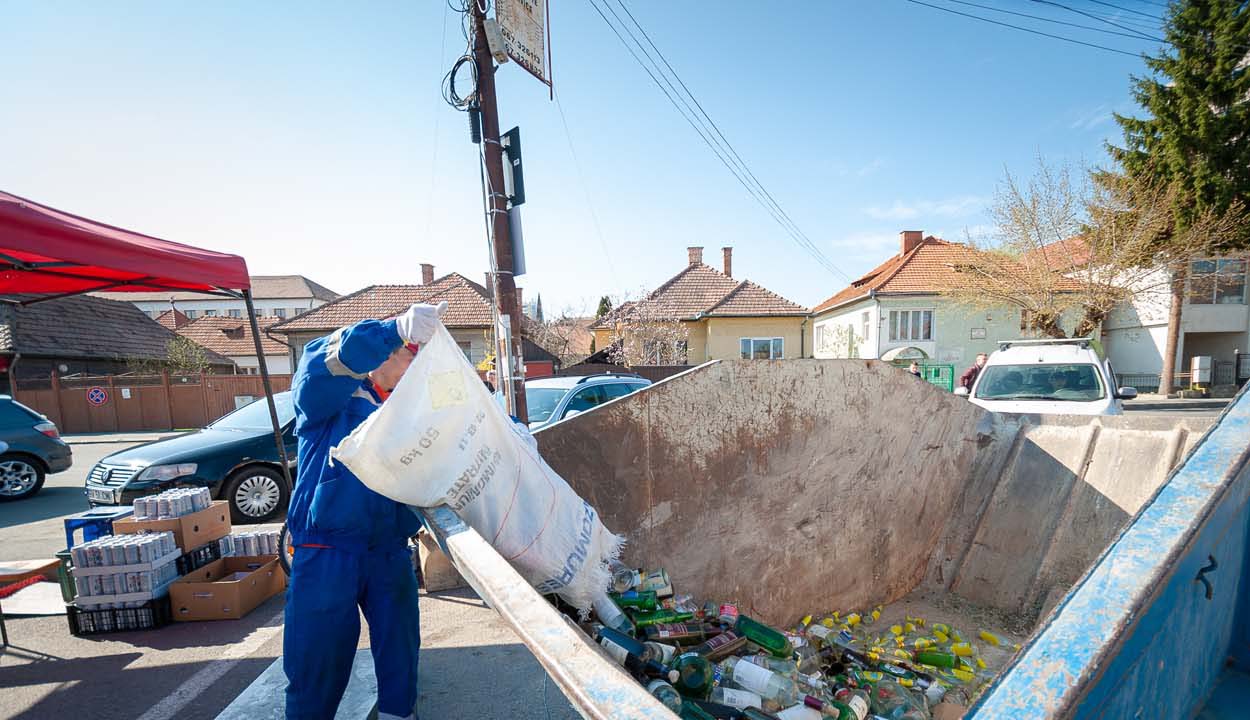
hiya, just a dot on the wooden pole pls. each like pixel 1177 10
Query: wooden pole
pixel 497 204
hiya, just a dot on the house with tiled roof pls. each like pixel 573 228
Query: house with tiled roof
pixel 232 337
pixel 469 318
pixel 281 296
pixel 83 335
pixel 715 316
pixel 897 310
pixel 172 319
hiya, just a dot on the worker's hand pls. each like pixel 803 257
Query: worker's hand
pixel 418 323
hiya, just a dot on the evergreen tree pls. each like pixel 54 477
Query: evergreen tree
pixel 605 307
pixel 1196 133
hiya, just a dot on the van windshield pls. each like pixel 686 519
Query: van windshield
pixel 1079 383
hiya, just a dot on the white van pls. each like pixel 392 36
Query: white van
pixel 1050 377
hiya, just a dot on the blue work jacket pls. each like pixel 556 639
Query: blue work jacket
pixel 330 506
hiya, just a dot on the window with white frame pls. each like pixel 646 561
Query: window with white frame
pixel 191 314
pixel 1217 282
pixel 279 312
pixel 911 325
pixel 863 325
pixel 761 348
pixel 234 312
pixel 210 313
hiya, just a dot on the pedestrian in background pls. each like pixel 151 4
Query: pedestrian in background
pixel 969 378
pixel 914 369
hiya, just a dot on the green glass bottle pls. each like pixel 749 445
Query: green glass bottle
pixel 634 599
pixel 690 711
pixel 938 659
pixel 646 618
pixel 764 636
pixel 694 675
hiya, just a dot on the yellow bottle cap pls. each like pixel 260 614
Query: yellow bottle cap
pixel 896 629
pixel 990 638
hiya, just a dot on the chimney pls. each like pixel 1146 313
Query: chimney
pixel 427 274
pixel 489 285
pixel 909 239
pixel 728 254
pixel 694 255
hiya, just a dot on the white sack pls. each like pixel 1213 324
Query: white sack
pixel 441 438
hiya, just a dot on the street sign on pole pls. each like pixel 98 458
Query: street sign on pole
pixel 97 396
pixel 524 27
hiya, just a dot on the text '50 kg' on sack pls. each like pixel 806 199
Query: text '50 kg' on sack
pixel 441 438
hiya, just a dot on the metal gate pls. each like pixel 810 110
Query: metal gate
pixel 941 375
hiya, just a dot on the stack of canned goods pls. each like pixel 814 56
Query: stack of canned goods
pixel 250 544
pixel 172 503
pixel 118 551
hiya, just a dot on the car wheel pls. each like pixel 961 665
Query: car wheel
pixel 20 476
pixel 256 494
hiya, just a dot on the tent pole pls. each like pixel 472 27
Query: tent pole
pixel 264 379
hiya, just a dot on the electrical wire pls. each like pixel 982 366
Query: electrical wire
pixel 793 227
pixel 1024 29
pixel 704 134
pixel 1128 10
pixel 1099 19
pixel 1044 19
pixel 590 205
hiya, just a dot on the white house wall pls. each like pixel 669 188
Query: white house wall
pixel 839 333
pixel 277 364
pixel 266 307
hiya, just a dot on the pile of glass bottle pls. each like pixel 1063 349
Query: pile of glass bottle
pixel 712 661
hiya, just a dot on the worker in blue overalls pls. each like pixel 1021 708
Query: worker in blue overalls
pixel 351 543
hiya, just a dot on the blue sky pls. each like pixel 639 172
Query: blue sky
pixel 312 138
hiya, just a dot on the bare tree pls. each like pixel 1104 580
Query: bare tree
pixel 567 336
pixel 645 332
pixel 1075 244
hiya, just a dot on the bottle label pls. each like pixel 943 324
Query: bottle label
pixel 859 706
pixel 741 699
pixel 666 651
pixel 617 652
pixel 820 631
pixel 752 676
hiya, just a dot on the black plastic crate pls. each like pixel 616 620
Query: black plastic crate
pixel 198 558
pixel 148 616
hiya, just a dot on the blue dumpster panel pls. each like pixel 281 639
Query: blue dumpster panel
pixel 1148 631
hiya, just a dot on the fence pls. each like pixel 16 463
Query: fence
pixel 941 375
pixel 119 403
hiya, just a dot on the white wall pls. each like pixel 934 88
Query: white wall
pixel 840 333
pixel 222 306
pixel 277 364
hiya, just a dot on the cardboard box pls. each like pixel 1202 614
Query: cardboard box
pixel 226 589
pixel 190 531
pixel 437 572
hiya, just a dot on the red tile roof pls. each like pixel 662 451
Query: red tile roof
pixel 703 290
pixel 1062 255
pixel 231 336
pixel 468 305
pixel 173 319
pixel 926 269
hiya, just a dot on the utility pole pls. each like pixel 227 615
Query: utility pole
pixel 497 204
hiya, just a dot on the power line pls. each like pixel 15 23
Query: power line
pixel 1045 19
pixel 1127 10
pixel 590 205
pixel 1027 30
pixel 811 246
pixel 1099 19
pixel 691 118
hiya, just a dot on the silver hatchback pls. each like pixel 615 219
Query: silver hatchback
pixel 553 399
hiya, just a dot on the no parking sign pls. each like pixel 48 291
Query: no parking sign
pixel 97 396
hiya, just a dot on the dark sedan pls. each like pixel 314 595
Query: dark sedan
pixel 235 457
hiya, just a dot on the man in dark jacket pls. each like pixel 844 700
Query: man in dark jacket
pixel 969 378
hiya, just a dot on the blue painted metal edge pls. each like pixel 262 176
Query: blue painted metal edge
pixel 1051 676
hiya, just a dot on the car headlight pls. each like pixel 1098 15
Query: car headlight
pixel 159 473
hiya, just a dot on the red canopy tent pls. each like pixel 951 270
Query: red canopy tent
pixel 47 253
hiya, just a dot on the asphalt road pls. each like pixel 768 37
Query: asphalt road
pixel 192 671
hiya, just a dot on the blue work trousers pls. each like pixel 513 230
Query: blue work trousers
pixel 323 628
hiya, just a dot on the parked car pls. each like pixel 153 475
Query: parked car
pixel 33 449
pixel 235 457
pixel 552 399
pixel 1056 377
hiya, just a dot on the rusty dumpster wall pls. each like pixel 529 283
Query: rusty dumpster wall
pixel 803 484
